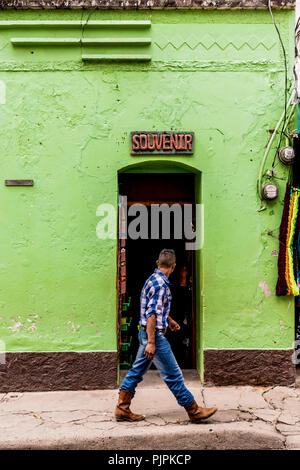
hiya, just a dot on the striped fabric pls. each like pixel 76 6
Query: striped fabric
pixel 288 263
pixel 156 299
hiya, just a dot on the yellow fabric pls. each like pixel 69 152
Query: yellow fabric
pixel 290 278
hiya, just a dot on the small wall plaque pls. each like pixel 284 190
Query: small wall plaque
pixel 18 182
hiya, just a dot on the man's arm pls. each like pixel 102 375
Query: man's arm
pixel 150 348
pixel 155 307
pixel 173 325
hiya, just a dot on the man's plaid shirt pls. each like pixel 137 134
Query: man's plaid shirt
pixel 156 299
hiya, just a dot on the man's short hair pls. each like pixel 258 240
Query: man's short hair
pixel 166 258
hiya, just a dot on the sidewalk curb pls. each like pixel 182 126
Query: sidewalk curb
pixel 184 437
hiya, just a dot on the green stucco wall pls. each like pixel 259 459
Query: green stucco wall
pixel 66 123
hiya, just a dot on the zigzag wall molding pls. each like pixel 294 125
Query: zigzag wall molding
pixel 244 45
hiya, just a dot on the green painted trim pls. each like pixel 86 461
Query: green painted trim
pixel 77 41
pixel 154 66
pixel 45 41
pixel 199 290
pixel 119 24
pixel 116 57
pixel 120 41
pixel 75 24
pixel 161 166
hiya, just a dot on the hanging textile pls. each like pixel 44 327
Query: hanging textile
pixel 288 278
pixel 298 254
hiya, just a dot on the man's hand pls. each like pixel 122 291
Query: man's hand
pixel 150 351
pixel 173 325
pixel 150 348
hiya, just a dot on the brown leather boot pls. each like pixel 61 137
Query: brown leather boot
pixel 122 412
pixel 197 414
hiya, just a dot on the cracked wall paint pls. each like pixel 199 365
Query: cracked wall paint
pixel 67 125
pixel 265 288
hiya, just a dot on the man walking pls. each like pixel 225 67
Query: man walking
pixel 154 320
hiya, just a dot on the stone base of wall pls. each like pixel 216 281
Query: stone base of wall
pixel 248 367
pixel 143 4
pixel 47 371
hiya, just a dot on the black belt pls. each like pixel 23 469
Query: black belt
pixel 163 330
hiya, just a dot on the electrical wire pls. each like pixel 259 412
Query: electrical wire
pixel 83 26
pixel 297 34
pixel 285 82
pixel 297 24
pixel 88 19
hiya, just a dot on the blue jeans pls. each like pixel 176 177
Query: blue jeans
pixel 165 362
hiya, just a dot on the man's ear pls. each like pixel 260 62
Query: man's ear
pixel 157 262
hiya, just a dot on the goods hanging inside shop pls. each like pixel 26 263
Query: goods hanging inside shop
pixel 137 261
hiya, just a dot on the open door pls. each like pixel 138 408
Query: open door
pixel 137 259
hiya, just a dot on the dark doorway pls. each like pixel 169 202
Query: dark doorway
pixel 141 254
